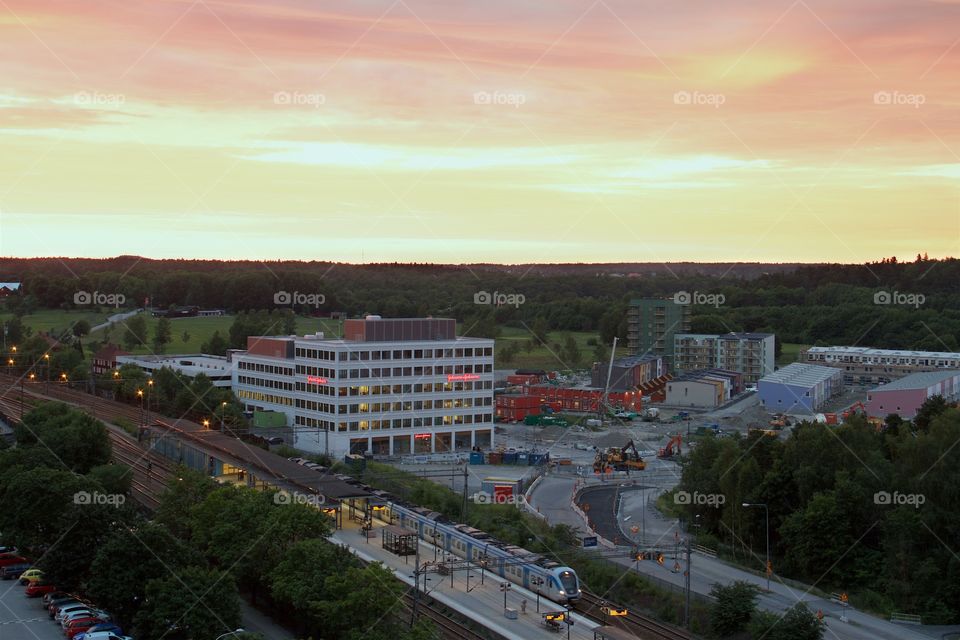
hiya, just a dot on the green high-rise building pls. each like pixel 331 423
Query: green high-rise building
pixel 651 325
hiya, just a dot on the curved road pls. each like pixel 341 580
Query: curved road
pixel 553 496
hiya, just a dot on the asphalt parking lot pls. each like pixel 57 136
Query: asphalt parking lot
pixel 22 617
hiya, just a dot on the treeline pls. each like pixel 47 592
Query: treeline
pixel 853 509
pixel 809 304
pixel 179 576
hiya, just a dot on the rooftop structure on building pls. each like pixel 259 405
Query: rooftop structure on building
pixel 219 369
pixel 799 387
pixel 866 365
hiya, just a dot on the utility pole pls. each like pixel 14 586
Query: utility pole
pixel 416 585
pixel 463 506
pixel 686 581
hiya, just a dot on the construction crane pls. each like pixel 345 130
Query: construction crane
pixel 672 448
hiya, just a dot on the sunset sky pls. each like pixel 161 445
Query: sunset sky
pixel 497 131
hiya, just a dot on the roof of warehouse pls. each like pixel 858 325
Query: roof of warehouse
pixel 867 351
pixel 801 374
pixel 918 380
pixel 265 463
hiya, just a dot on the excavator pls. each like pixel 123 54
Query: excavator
pixel 625 458
pixel 672 448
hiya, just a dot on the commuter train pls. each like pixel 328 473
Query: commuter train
pixel 559 583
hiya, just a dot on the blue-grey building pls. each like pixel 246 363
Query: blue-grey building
pixel 799 388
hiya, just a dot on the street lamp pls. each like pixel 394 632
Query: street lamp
pixel 206 423
pixel 46 357
pixel 140 396
pixel 223 410
pixel 32 376
pixel 537 582
pixel 766 511
pixel 149 388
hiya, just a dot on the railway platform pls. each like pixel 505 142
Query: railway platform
pixel 484 602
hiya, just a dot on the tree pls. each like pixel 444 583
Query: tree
pixel 77 440
pixel 128 559
pixel 114 478
pixel 190 603
pixel 570 353
pixel 359 601
pixel 80 329
pixel 189 489
pixel 930 409
pixel 185 338
pixel 216 346
pixel 162 335
pixel 735 604
pixel 135 332
pixel 539 331
pixel 798 623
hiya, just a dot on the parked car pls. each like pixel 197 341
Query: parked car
pixel 6 559
pixel 83 613
pixel 56 595
pixel 37 589
pixel 275 440
pixel 80 625
pixel 69 607
pixel 31 575
pixel 12 571
pixel 7 549
pixel 55 603
pixel 103 627
pixel 102 635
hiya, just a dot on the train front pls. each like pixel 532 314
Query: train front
pixel 569 583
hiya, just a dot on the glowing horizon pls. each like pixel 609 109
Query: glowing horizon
pixel 505 132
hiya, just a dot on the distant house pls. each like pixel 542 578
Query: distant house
pixel 9 288
pixel 105 359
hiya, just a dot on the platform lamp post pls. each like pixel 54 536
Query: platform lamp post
pixel 537 581
pixel 766 511
pixel 223 411
pixel 149 389
pixel 140 397
pixel 206 424
pixel 32 378
pixel 46 359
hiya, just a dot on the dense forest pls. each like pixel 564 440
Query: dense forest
pixel 885 304
pixel 871 512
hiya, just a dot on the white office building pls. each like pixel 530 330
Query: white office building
pixel 388 387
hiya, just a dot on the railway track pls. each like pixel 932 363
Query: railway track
pixel 449 629
pixel 642 626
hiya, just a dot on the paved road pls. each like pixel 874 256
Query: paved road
pixel 117 317
pixel 552 498
pixel 22 617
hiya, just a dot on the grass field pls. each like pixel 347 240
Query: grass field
pixel 789 352
pixel 57 320
pixel 542 357
pixel 200 330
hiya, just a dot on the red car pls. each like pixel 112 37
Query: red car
pixel 37 589
pixel 81 625
pixel 11 558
